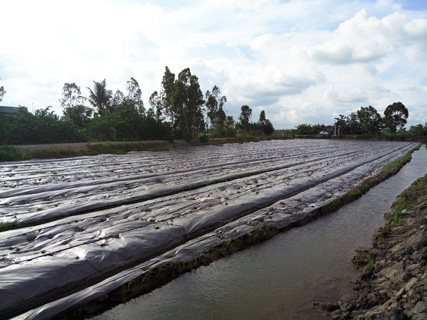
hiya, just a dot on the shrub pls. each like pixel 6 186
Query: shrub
pixel 8 153
pixel 203 137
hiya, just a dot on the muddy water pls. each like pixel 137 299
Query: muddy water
pixel 282 278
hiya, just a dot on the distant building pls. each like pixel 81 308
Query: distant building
pixel 6 109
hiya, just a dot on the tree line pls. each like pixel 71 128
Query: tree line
pixel 366 121
pixel 179 110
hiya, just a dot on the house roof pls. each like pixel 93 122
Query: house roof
pixel 7 109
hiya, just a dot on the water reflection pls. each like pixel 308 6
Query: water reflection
pixel 281 278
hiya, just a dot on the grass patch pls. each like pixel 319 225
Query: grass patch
pixel 364 259
pixel 203 137
pixel 395 218
pixel 380 236
pixel 12 153
pixel 242 138
pixel 389 170
pixel 9 153
pixel 5 226
pixel 405 202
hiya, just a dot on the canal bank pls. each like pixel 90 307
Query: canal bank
pixel 394 280
pixel 285 276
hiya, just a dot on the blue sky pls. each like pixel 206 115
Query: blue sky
pixel 300 61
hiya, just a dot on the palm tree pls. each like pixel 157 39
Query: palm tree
pixel 100 97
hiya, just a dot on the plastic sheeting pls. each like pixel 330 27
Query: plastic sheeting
pixel 144 209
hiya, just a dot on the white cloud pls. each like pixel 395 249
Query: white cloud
pixel 302 61
pixel 355 41
pixel 364 39
pixel 353 95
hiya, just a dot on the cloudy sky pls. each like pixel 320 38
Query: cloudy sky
pixel 302 61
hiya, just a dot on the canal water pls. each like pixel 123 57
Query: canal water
pixel 285 277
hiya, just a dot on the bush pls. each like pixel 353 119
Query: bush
pixel 203 137
pixel 8 153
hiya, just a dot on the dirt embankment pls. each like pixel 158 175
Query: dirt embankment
pixel 394 280
pixel 60 150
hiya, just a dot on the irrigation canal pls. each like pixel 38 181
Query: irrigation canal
pixel 283 277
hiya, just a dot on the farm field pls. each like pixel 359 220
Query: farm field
pixel 75 229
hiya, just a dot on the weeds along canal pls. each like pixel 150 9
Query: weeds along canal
pixel 284 277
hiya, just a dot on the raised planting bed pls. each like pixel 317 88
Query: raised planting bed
pixel 76 229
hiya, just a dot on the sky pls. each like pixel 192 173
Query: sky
pixel 302 61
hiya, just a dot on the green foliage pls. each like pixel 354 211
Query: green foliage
pixel 245 116
pixel 364 258
pixel 165 100
pixel 367 123
pixel 308 129
pixel 214 105
pixel 403 202
pixel 79 115
pixel 2 92
pixel 418 130
pixel 203 137
pixel 178 111
pixel 134 95
pixel 100 97
pixel 369 120
pixel 8 153
pixel 5 226
pixel 264 124
pixel 380 235
pixel 187 101
pixel 262 116
pixel 71 95
pixel 260 128
pixel 395 116
pixel 42 127
pixel 395 218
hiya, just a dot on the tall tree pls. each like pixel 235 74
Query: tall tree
pixel 71 95
pixel 2 93
pixel 265 124
pixel 353 123
pixel 229 127
pixel 219 121
pixel 117 100
pixel 341 123
pixel 245 117
pixel 370 120
pixel 168 83
pixel 187 101
pixel 418 130
pixel 78 114
pixel 214 102
pixel 262 116
pixel 135 94
pixel 156 106
pixel 396 115
pixel 100 97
